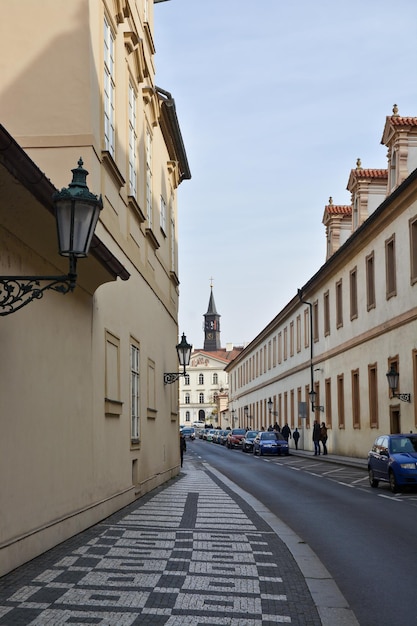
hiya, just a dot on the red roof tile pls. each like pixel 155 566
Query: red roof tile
pixel 369 173
pixel 338 209
pixel 398 120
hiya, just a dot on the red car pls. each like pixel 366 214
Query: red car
pixel 235 438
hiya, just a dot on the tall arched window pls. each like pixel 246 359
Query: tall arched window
pixel 201 379
pixel 215 379
pixel 201 398
pixel 187 398
pixel 187 416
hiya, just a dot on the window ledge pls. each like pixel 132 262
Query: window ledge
pixel 173 276
pixel 110 165
pixel 136 208
pixel 152 239
pixel 113 408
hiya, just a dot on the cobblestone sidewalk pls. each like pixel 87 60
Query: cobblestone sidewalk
pixel 191 553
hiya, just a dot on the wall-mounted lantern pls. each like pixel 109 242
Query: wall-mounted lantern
pixel 393 378
pixel 184 350
pixel 77 212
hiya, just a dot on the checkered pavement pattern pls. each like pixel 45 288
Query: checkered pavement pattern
pixel 191 553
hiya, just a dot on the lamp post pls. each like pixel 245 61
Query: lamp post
pixel 77 211
pixel 311 393
pixel 270 403
pixel 393 378
pixel 184 350
pixel 233 411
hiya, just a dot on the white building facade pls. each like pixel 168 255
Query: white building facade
pixel 353 321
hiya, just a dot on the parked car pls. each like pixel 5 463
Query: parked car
pixel 189 433
pixel 393 459
pixel 247 441
pixel 270 443
pixel 235 437
pixel 208 435
pixel 223 437
pixel 218 436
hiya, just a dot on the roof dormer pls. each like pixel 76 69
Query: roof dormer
pixel 400 137
pixel 368 188
pixel 338 222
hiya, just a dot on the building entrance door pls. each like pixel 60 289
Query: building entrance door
pixel 395 420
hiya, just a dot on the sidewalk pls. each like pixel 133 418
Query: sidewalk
pixel 361 463
pixel 197 551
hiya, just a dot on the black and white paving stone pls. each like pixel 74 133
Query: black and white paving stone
pixel 192 553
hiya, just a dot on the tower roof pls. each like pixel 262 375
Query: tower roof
pixel 211 305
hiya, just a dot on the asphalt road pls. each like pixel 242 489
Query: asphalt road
pixel 366 538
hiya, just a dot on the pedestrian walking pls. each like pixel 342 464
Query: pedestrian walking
pixel 316 437
pixel 296 436
pixel 286 432
pixel 183 447
pixel 323 437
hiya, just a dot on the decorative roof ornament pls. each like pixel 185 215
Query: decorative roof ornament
pixel 358 164
pixel 330 201
pixel 395 110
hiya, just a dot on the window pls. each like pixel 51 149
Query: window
pixel 187 416
pixel 353 294
pixel 373 395
pixel 187 379
pixel 134 391
pixel 163 216
pixel 109 90
pixel 328 401
pixel 201 379
pixel 339 303
pixel 356 399
pixel 391 281
pixel 279 347
pixel 291 338
pixel 413 250
pixel 298 333
pixel 148 149
pixel 370 282
pixel 306 328
pixel 274 352
pixel 173 237
pixel 133 140
pixel 113 403
pixel 341 400
pixel 201 398
pixel 285 343
pixel 187 398
pixel 215 379
pixel 316 321
pixel 326 311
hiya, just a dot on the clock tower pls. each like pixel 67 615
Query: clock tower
pixel 211 326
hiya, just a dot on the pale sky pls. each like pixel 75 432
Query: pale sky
pixel 276 100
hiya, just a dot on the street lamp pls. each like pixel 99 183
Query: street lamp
pixel 393 377
pixel 77 211
pixel 270 403
pixel 233 411
pixel 184 350
pixel 311 393
pixel 314 407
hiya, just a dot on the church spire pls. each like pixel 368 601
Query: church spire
pixel 211 325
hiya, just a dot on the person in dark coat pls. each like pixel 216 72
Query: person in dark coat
pixel 323 437
pixel 296 436
pixel 286 432
pixel 316 437
pixel 183 447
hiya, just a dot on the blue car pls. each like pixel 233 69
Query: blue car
pixel 270 443
pixel 393 459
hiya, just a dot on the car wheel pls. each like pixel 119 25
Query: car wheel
pixel 393 483
pixel 372 480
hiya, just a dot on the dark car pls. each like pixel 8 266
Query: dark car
pixel 270 443
pixel 393 459
pixel 189 433
pixel 235 437
pixel 247 441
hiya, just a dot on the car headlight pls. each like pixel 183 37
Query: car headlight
pixel 408 466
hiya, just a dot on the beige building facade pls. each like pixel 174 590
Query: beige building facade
pixel 351 322
pixel 87 422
